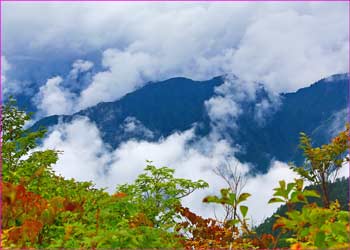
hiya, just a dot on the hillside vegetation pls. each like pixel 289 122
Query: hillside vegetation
pixel 41 209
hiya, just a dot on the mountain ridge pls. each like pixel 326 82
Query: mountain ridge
pixel 177 104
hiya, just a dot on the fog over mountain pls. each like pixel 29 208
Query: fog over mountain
pixel 261 125
pixel 196 127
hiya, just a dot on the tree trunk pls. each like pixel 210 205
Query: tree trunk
pixel 325 197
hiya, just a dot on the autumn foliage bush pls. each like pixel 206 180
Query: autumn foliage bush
pixel 41 209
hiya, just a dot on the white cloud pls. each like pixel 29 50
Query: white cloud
pixel 344 171
pixel 266 108
pixel 9 86
pixel 125 72
pixel 133 126
pixel 222 111
pixel 338 122
pixel 58 96
pixel 261 187
pixel 290 49
pixel 80 66
pixel 287 46
pixel 224 107
pixel 5 66
pixel 52 99
pixel 84 155
pixel 226 104
pixel 85 158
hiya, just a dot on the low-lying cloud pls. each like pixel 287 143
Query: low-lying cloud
pixel 134 128
pixel 86 158
pixel 54 99
pixel 60 96
pixel 227 103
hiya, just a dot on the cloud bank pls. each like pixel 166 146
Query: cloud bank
pixel 285 46
pixel 86 158
pixel 53 99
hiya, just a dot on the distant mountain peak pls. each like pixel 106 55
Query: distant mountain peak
pixel 176 104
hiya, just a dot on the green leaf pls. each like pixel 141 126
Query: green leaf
pixel 275 200
pixel 244 210
pixel 211 199
pixel 232 222
pixel 232 198
pixel 290 186
pixel 243 197
pixel 320 240
pixel 282 184
pixel 311 193
pixel 224 192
